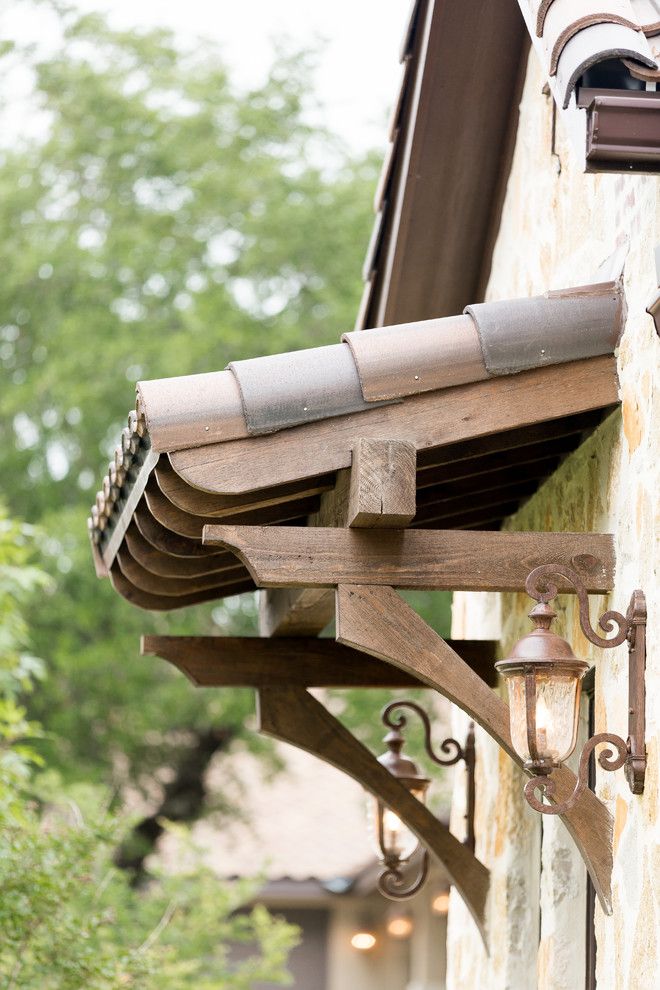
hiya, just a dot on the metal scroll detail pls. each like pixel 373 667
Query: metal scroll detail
pixel 539 587
pixel 453 749
pixel 391 882
pixel 545 785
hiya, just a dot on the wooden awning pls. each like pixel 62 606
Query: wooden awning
pixel 491 400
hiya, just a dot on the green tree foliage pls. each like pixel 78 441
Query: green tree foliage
pixel 19 670
pixel 68 916
pixel 163 223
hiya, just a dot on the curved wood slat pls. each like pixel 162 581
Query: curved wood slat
pixel 163 603
pixel 514 442
pixel 294 716
pixel 173 587
pixel 200 503
pixel 165 565
pixel 378 621
pixel 165 540
pixel 429 420
pixel 192 526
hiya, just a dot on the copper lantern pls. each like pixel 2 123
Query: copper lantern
pixel 544 680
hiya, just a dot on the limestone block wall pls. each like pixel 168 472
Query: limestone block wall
pixel 558 226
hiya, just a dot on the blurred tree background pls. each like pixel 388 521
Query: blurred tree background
pixel 163 223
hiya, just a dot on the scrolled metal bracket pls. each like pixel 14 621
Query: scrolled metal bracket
pixel 452 749
pixel 391 882
pixel 631 627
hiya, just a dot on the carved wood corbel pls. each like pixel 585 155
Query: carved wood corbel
pixel 293 715
pixel 378 621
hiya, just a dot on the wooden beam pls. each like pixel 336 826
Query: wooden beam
pixel 253 661
pixel 383 484
pixel 294 716
pixel 450 560
pixel 429 420
pixel 379 622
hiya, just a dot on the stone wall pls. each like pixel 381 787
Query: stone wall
pixel 558 227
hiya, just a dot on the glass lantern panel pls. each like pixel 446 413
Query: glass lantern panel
pixel 398 841
pixel 557 701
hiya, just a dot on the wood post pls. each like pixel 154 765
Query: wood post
pixel 383 483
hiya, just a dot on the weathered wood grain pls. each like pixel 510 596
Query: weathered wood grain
pixel 303 661
pixel 428 420
pixel 296 557
pixel 306 611
pixel 378 621
pixel 294 716
pixel 383 484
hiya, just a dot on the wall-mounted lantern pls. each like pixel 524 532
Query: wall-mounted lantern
pixel 394 843
pixel 544 679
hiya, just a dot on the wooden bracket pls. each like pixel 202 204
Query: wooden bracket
pixel 294 716
pixel 303 661
pixel 378 621
pixel 451 560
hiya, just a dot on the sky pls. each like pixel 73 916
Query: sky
pixel 358 73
